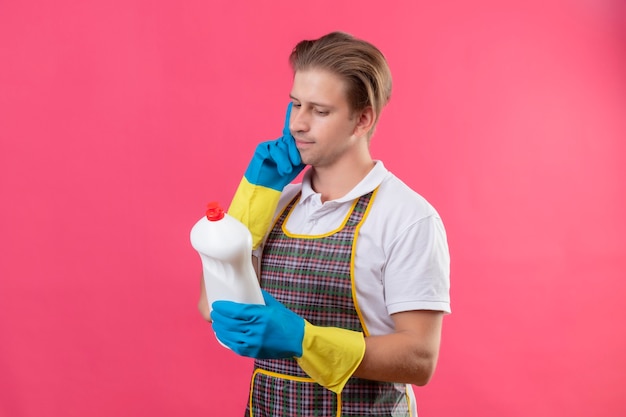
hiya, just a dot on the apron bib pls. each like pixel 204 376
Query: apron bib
pixel 312 276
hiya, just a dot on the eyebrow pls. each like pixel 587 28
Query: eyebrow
pixel 328 106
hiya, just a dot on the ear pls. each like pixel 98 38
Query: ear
pixel 365 122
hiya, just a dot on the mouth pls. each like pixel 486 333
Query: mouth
pixel 303 143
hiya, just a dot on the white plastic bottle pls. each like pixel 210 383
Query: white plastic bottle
pixel 225 248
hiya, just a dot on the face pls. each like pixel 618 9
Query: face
pixel 324 127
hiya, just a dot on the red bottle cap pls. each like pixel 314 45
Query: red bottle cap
pixel 214 211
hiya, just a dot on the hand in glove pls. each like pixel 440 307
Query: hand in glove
pixel 329 355
pixel 269 331
pixel 274 164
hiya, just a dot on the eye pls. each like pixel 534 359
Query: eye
pixel 322 112
pixel 296 105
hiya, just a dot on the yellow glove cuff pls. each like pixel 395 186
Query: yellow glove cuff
pixel 330 355
pixel 254 206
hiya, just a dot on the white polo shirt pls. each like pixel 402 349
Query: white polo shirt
pixel 402 261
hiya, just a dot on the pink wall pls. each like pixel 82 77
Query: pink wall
pixel 119 120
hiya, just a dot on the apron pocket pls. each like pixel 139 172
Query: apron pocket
pixel 274 395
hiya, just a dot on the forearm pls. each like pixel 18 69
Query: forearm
pixel 397 357
pixel 409 355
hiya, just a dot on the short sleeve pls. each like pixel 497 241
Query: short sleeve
pixel 416 274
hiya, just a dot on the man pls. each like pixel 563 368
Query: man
pixel 355 267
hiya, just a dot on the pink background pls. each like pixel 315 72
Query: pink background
pixel 119 120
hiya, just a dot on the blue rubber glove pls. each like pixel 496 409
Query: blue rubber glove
pixel 276 163
pixel 270 331
pixel 329 355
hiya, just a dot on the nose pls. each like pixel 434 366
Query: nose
pixel 299 121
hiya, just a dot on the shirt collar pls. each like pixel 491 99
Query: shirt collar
pixel 366 185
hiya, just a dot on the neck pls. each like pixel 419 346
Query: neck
pixel 335 181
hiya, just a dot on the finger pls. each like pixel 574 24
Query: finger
pixel 230 339
pixel 224 323
pixel 239 338
pixel 278 154
pixel 232 330
pixel 286 130
pixel 293 152
pixel 230 310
